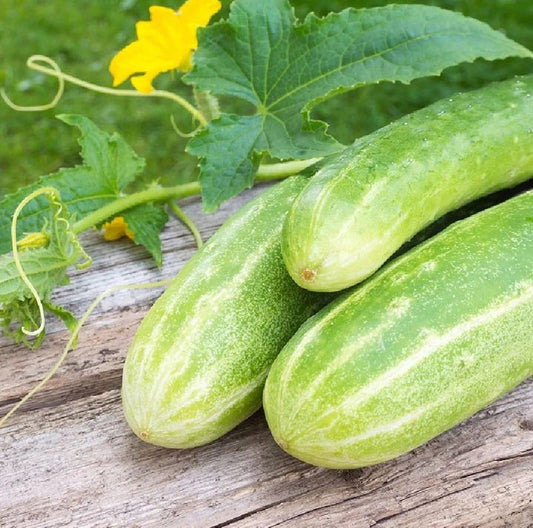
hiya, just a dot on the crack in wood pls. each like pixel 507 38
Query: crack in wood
pixel 73 390
pixel 314 510
pixel 266 507
pixel 421 505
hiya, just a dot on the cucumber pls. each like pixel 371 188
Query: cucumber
pixel 200 358
pixel 429 340
pixel 365 203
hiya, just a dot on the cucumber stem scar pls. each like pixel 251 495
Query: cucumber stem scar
pixel 308 275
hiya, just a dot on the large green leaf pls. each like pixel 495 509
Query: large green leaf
pixel 263 56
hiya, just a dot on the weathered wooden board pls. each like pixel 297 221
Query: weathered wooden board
pixel 68 458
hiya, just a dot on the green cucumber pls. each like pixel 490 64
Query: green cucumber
pixel 364 204
pixel 435 336
pixel 200 358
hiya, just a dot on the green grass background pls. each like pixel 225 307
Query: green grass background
pixel 83 36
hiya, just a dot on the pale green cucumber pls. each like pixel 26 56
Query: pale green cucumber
pixel 429 340
pixel 374 196
pixel 199 360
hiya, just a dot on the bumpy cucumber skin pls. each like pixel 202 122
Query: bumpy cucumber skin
pixel 363 205
pixel 200 358
pixel 425 343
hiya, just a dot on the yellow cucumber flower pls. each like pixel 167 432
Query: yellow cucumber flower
pixel 117 229
pixel 165 43
pixel 33 241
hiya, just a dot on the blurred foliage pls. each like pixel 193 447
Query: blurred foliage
pixel 83 36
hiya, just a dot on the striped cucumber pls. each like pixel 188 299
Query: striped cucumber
pixel 364 204
pixel 429 340
pixel 199 360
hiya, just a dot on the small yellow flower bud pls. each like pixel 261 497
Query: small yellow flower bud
pixel 117 229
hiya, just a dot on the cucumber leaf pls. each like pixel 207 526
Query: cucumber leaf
pixel 109 165
pixel 262 55
pixel 146 221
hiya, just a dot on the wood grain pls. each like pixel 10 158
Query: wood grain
pixel 68 458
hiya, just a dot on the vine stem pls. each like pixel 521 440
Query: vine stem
pixel 276 171
pixel 187 222
pixel 157 194
pixel 52 69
